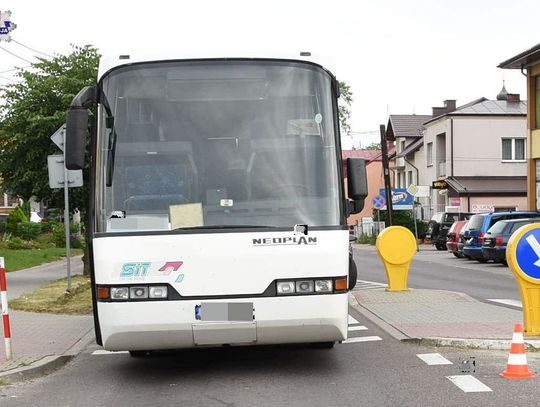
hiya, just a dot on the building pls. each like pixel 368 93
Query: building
pixel 529 63
pixel 406 132
pixel 479 150
pixel 375 178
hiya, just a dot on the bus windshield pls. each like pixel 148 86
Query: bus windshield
pixel 185 144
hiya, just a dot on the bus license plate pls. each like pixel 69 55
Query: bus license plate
pixel 224 311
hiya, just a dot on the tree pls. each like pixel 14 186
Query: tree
pixel 34 109
pixel 374 146
pixel 345 100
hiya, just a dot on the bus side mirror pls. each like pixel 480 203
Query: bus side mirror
pixel 76 126
pixel 356 184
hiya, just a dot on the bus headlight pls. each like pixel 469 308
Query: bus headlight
pixel 158 292
pixel 285 287
pixel 323 286
pixel 136 293
pixel 305 286
pixel 119 293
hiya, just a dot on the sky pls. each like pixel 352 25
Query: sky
pixel 399 57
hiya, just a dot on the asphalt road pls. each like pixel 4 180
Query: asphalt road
pixel 384 372
pixel 374 370
pixel 25 281
pixel 441 270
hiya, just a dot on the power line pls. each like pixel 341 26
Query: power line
pixel 7 79
pixel 16 69
pixel 15 55
pixel 31 49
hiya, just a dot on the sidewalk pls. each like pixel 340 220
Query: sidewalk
pixel 42 342
pixel 437 317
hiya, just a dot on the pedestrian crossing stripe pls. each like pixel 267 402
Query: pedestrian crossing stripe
pixel 357 328
pixel 108 352
pixel 469 384
pixel 368 285
pixel 352 321
pixel 362 339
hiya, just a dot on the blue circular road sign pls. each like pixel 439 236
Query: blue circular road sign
pixel 528 253
pixel 379 201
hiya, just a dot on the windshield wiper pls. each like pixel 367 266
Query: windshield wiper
pixel 226 227
pixel 109 123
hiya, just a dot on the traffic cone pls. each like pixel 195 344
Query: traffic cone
pixel 517 367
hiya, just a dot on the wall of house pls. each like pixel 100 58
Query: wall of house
pixel 478 146
pixel 375 183
pixel 480 204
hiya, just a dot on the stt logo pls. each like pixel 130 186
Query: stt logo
pixel 170 266
pixel 135 270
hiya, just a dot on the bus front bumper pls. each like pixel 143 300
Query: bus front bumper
pixel 160 325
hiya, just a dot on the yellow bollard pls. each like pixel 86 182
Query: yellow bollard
pixel 523 257
pixel 396 247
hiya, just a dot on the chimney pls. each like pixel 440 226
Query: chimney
pixel 512 97
pixel 438 111
pixel 449 106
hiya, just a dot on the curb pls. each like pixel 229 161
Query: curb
pixel 46 365
pixel 487 344
pixel 389 329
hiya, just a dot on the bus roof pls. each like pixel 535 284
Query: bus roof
pixel 108 62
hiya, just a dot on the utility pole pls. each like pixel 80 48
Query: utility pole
pixel 386 170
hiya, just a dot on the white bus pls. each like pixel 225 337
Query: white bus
pixel 217 209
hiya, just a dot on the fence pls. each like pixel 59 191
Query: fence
pixel 367 228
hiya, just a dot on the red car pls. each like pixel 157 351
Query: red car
pixel 452 238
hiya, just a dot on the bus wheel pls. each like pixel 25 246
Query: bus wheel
pixel 353 273
pixel 138 353
pixel 322 345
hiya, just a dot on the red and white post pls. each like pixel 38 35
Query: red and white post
pixel 5 310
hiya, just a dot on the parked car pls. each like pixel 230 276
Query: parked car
pixel 452 238
pixel 439 225
pixel 496 238
pixel 461 240
pixel 478 226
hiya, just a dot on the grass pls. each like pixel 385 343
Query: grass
pixel 22 259
pixel 53 298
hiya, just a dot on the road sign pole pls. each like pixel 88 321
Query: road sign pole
pixel 415 227
pixel 66 225
pixel 386 170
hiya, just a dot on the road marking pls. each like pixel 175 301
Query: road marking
pixel 531 239
pixel 352 321
pixel 363 339
pixel 468 383
pixel 434 359
pixel 357 328
pixel 108 352
pixel 368 285
pixel 513 303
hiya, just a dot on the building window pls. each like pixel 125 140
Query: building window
pixel 410 178
pixel 537 100
pixel 513 149
pixel 429 154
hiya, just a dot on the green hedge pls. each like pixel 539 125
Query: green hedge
pixel 28 230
